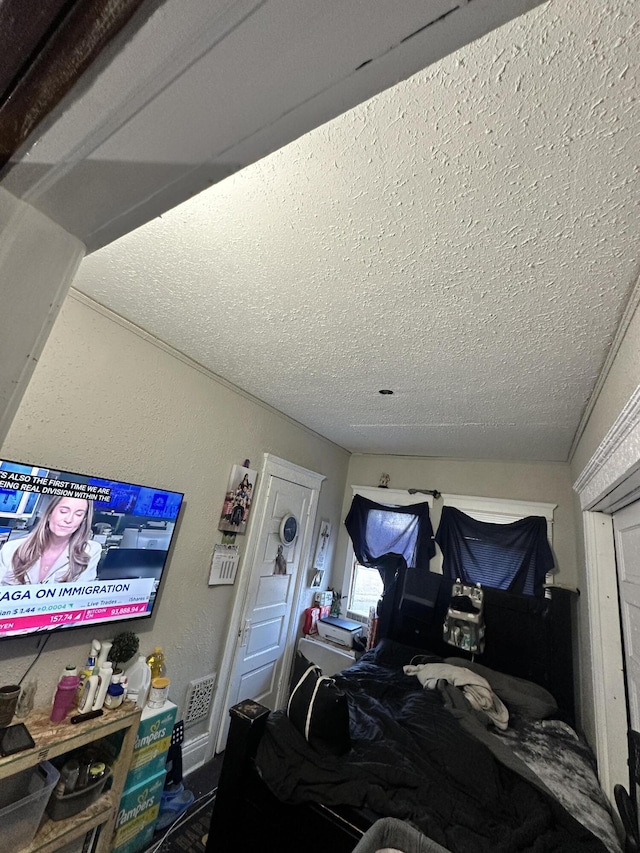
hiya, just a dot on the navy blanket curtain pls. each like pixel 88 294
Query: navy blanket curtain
pixel 389 538
pixel 377 530
pixel 514 557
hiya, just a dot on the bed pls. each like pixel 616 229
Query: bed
pixel 418 753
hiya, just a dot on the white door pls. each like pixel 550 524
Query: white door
pixel 626 525
pixel 259 648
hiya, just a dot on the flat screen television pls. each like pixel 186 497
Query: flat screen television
pixel 78 550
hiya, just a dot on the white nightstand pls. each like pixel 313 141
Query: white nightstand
pixel 329 657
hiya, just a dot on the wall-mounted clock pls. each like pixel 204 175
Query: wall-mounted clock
pixel 288 529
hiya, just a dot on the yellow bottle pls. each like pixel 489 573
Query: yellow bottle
pixel 155 662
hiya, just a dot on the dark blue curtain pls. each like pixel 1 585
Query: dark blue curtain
pixel 514 557
pixel 390 539
pixel 377 530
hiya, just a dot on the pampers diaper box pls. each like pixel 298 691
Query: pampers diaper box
pixel 137 814
pixel 152 743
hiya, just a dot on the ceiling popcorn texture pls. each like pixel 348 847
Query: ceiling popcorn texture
pixel 468 239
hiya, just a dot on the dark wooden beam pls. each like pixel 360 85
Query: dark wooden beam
pixel 46 45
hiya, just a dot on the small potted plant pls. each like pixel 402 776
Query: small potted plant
pixel 124 647
pixel 336 601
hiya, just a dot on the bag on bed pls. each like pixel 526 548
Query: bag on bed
pixel 318 708
pixel 464 623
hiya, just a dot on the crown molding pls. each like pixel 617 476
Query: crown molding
pixel 608 480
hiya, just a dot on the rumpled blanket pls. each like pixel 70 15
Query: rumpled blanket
pixel 475 688
pixel 411 758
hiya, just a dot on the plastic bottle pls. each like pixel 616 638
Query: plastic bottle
pixel 139 681
pixel 156 663
pixel 88 668
pixel 105 648
pixel 88 694
pixel 115 693
pixel 104 680
pixel 69 669
pixel 68 777
pixel 65 694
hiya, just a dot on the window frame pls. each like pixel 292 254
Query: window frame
pixel 355 568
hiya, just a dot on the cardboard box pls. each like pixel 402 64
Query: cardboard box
pixel 137 814
pixel 152 743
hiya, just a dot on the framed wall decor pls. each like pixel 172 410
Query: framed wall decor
pixel 317 578
pixel 237 501
pixel 288 529
pixel 322 546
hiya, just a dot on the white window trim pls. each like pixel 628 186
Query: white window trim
pixel 391 497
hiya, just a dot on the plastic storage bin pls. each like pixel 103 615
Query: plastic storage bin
pixel 60 808
pixel 23 798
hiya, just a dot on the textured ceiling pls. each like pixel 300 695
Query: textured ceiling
pixel 468 239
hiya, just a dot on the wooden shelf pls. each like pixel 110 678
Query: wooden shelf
pixel 53 834
pixel 55 739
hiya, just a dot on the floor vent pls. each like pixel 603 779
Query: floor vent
pixel 199 696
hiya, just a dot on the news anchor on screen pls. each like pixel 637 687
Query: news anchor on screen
pixel 59 549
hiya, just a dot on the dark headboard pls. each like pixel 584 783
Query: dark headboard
pixel 525 636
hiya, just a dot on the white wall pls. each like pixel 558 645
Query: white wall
pixel 106 400
pixel 38 260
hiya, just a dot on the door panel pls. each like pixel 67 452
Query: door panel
pixel 272 590
pixel 259 682
pixel 263 636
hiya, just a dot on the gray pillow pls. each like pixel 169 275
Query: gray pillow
pixel 519 695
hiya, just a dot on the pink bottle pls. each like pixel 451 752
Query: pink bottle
pixel 63 700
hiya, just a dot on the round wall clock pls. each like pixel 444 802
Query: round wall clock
pixel 288 529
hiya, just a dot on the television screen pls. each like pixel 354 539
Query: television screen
pixel 78 550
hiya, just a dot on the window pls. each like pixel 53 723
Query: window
pixel 393 531
pixel 365 590
pixel 478 550
pixel 364 584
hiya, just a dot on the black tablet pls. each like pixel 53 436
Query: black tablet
pixel 15 739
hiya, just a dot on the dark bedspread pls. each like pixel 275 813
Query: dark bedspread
pixel 411 759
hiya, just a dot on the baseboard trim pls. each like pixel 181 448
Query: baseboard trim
pixel 194 753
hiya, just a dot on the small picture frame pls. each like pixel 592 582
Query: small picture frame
pixel 317 577
pixel 322 547
pixel 238 499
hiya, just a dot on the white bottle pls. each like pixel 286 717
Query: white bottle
pixel 104 680
pixel 88 695
pixel 139 682
pixel 105 648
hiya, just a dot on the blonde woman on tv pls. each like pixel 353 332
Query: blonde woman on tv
pixel 59 549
